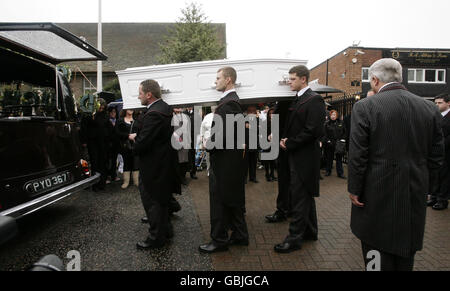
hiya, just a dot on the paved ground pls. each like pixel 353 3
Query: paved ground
pixel 104 227
pixel 336 249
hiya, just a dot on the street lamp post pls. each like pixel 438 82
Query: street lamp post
pixel 99 46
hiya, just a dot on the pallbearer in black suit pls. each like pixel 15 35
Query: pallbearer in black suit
pixel 396 150
pixel 304 127
pixel 226 174
pixel 283 199
pixel 158 160
pixel 439 200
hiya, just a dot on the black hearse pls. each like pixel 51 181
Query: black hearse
pixel 40 153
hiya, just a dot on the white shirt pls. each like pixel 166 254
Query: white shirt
pixel 229 91
pixel 263 116
pixel 302 91
pixel 205 129
pixel 445 112
pixel 148 106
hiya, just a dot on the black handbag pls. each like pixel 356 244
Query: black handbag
pixel 340 147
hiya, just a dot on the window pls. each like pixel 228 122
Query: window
pixel 365 75
pixel 426 76
pixel 23 99
pixel 89 85
pixel 441 76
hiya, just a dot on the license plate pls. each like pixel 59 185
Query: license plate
pixel 47 183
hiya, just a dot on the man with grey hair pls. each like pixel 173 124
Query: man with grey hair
pixel 396 150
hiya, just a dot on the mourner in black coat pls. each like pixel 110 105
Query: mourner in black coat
pixel 96 132
pixel 158 178
pixel 226 175
pixel 304 127
pixel 335 134
pixel 396 150
pixel 283 199
pixel 439 200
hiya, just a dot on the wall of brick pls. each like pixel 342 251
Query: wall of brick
pixel 342 71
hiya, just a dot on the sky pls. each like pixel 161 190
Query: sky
pixel 311 30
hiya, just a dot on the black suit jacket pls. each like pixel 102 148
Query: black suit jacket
pixel 304 127
pixel 396 150
pixel 157 158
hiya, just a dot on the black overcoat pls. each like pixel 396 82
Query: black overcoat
pixel 228 164
pixel 304 127
pixel 157 158
pixel 396 150
pixel 446 131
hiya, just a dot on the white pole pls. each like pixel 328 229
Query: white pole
pixel 99 40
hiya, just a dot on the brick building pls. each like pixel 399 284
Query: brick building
pixel 126 45
pixel 426 72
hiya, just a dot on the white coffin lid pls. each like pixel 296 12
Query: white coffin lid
pixel 258 80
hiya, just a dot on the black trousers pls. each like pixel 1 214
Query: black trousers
pixel 388 262
pixel 225 217
pixel 283 199
pixel 304 215
pixel 329 157
pixel 112 162
pixel 193 168
pixel 443 193
pixel 251 162
pixel 270 167
pixel 157 214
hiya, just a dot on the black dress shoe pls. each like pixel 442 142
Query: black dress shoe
pixel 194 177
pixel 311 237
pixel 170 233
pixel 440 205
pixel 286 247
pixel 174 206
pixel 144 219
pixel 211 247
pixel 274 178
pixel 268 179
pixel 431 202
pixel 254 181
pixel 276 217
pixel 148 244
pixel 238 242
pixel 328 174
pixel 342 177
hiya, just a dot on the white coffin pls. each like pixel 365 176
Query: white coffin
pixel 259 80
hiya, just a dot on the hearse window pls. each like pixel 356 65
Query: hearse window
pixel 26 100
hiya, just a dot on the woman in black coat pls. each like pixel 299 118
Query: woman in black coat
pixel 334 134
pixel 124 127
pixel 113 147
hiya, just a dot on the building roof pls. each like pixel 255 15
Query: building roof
pixel 126 44
pixel 446 50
